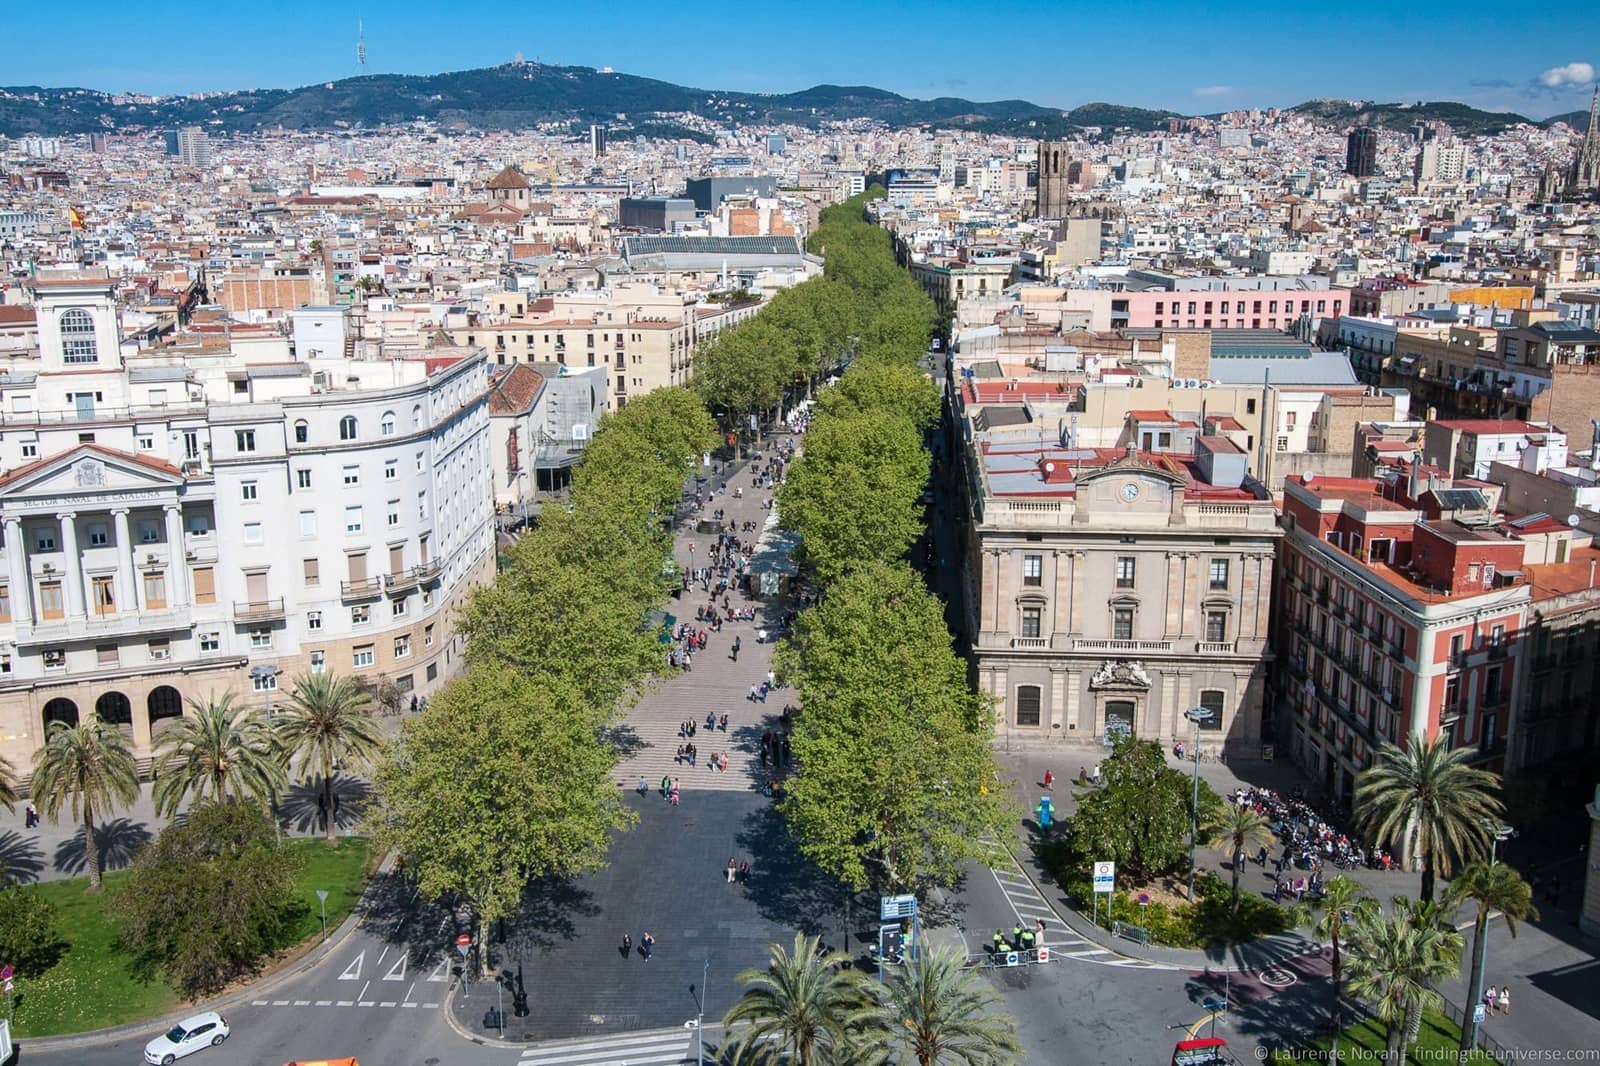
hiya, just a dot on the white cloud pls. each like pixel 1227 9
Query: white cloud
pixel 1213 90
pixel 1570 76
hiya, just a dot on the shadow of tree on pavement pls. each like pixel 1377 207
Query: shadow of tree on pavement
pixel 545 919
pixel 300 808
pixel 21 858
pixel 119 840
pixel 623 739
pixel 787 889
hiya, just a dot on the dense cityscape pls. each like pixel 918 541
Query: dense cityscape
pixel 542 565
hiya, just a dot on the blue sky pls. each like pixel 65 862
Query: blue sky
pixel 1537 59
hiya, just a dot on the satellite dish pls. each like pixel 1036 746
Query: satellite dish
pixel 1049 468
pixel 1308 477
pixel 1572 520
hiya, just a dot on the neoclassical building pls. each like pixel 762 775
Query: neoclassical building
pixel 1109 590
pixel 177 522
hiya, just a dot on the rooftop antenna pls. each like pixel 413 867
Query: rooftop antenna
pixel 361 45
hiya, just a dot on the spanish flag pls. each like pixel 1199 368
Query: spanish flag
pixel 75 217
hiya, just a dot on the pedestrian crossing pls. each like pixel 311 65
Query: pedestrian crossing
pixel 659 1048
pixel 1030 906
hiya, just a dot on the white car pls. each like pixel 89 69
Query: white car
pixel 187 1037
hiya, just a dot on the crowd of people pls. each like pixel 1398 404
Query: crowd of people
pixel 1310 841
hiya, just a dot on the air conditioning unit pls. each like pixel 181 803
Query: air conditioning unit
pixel 1178 383
pixel 160 654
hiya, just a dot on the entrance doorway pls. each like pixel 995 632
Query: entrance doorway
pixel 1118 720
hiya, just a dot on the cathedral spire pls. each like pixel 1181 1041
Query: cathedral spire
pixel 1594 108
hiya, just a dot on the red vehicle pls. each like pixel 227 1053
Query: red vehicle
pixel 1205 1051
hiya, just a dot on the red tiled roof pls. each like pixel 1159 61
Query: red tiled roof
pixel 513 390
pixel 16 316
pixel 1491 425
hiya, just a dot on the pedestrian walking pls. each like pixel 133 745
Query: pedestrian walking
pixel 755 693
pixel 1038 931
pixel 627 944
pixel 772 680
pixel 1049 780
pixel 744 872
pixel 733 868
pixel 644 786
pixel 1490 998
pixel 647 946
pixel 674 795
pixel 1505 999
pixel 666 786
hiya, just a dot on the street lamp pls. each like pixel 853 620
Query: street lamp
pixel 265 677
pixel 1196 715
pixel 700 1014
pixel 1501 835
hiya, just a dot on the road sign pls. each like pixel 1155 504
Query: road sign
pixel 1011 958
pixel 322 895
pixel 894 908
pixel 1105 876
pixel 464 940
pixel 1044 954
pixel 7 972
pixel 1478 1012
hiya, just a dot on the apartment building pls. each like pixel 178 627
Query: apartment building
pixel 181 523
pixel 1110 590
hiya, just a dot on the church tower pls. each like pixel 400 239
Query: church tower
pixel 1054 160
pixel 1583 179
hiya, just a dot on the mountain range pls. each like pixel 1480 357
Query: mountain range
pixel 525 95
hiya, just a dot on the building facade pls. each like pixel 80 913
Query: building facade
pixel 1109 591
pixel 179 525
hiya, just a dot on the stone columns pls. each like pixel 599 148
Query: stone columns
pixel 1061 600
pixel 1172 624
pixel 21 583
pixel 177 564
pixel 72 563
pixel 125 574
pixel 988 590
pixel 1058 702
pixel 1075 564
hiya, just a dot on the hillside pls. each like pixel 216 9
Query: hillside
pixel 1461 118
pixel 522 95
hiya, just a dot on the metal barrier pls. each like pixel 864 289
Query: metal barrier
pixel 1490 1046
pixel 1001 959
pixel 1136 933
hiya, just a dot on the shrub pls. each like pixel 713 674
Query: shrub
pixel 28 936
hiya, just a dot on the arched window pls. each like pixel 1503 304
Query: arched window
pixel 1028 700
pixel 302 432
pixel 77 338
pixel 416 416
pixel 347 427
pixel 386 426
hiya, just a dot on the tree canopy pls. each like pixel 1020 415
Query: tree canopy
pixel 898 785
pixel 1139 818
pixel 501 779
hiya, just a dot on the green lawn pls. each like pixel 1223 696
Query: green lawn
pixel 91 988
pixel 1436 1043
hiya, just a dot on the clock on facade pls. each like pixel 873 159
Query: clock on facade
pixel 1130 492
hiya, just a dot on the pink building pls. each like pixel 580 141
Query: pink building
pixel 1225 309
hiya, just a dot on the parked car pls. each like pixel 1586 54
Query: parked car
pixel 187 1037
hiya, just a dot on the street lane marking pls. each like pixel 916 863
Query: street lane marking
pixel 302 1003
pixel 387 1003
pixel 280 1003
pixel 353 971
pixel 430 1006
pixel 366 1003
pixel 362 994
pixel 410 990
pixel 408 1004
pixel 345 1003
pixel 324 1002
pixel 442 971
pixel 258 1003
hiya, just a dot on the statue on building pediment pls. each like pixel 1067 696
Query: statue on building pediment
pixel 91 473
pixel 1120 673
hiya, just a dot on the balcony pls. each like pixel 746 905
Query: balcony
pixel 1213 647
pixel 1030 642
pixel 402 580
pixel 1397 652
pixel 106 626
pixel 1122 645
pixel 258 610
pixel 427 572
pixel 363 589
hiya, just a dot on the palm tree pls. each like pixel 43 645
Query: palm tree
pixel 1343 903
pixel 935 1012
pixel 85 768
pixel 1435 922
pixel 328 722
pixel 8 784
pixel 807 1003
pixel 1492 887
pixel 1238 828
pixel 1392 961
pixel 1429 804
pixel 217 751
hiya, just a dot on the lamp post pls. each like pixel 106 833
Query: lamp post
pixel 265 677
pixel 1196 715
pixel 700 1014
pixel 1501 835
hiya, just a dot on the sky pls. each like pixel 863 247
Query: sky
pixel 1535 59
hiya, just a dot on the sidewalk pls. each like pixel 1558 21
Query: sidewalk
pixel 649 738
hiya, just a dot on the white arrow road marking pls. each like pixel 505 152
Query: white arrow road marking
pixel 353 971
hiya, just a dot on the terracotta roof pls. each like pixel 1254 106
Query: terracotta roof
pixel 513 390
pixel 128 457
pixel 509 178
